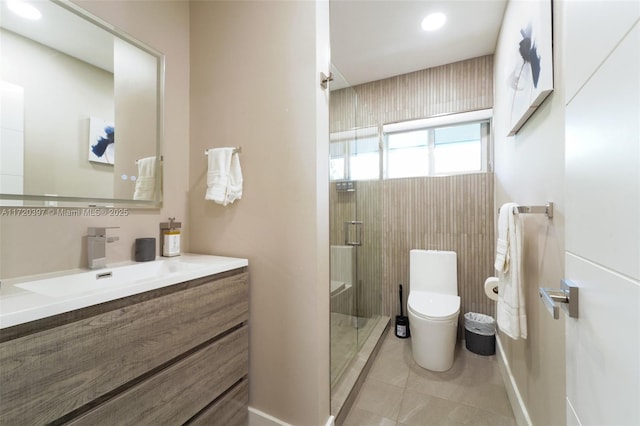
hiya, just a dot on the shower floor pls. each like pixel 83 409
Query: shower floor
pixel 346 332
pixel 347 369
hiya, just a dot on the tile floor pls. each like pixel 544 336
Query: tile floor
pixel 397 392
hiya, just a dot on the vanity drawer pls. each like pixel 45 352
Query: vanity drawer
pixel 230 410
pixel 175 394
pixel 51 373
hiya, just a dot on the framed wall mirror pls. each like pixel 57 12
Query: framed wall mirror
pixel 81 114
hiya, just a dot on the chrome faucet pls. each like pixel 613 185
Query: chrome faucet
pixel 97 246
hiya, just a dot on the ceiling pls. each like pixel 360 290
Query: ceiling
pixel 370 39
pixel 59 28
pixel 376 39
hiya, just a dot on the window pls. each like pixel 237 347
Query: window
pixel 457 149
pixel 337 164
pixel 434 147
pixel 452 144
pixel 407 154
pixel 355 155
pixel 364 158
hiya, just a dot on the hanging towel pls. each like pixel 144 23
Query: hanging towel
pixel 146 183
pixel 234 189
pixel 224 176
pixel 511 313
pixel 502 245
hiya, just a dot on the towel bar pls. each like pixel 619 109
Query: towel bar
pixel 161 159
pixel 546 209
pixel 236 150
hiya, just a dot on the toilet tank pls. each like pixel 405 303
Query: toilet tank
pixel 433 270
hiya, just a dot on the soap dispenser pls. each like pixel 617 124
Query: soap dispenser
pixel 170 237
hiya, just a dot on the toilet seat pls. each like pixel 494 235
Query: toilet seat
pixel 433 306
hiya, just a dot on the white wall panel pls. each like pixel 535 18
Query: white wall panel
pixel 602 149
pixel 10 184
pixel 593 29
pixel 11 152
pixel 11 138
pixel 603 163
pixel 603 377
pixel 11 106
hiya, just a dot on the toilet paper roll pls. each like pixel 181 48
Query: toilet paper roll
pixel 489 285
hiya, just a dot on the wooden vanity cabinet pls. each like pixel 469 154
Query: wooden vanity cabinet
pixel 175 355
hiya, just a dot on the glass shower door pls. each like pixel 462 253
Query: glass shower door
pixel 344 333
pixel 355 239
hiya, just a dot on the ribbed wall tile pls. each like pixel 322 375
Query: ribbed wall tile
pixel 440 213
pixel 443 213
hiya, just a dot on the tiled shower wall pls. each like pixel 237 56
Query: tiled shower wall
pixel 444 213
pixel 440 213
pixel 458 87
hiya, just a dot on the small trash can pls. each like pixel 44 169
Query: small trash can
pixel 480 333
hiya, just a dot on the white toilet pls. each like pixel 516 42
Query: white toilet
pixel 433 306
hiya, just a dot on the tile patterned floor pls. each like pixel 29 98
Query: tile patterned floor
pixel 398 392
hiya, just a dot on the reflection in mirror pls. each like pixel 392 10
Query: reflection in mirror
pixel 81 110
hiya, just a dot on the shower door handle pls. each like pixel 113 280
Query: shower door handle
pixel 348 226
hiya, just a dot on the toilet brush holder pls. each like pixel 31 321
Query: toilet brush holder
pixel 402 322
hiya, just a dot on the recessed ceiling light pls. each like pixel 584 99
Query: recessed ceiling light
pixel 433 21
pixel 23 9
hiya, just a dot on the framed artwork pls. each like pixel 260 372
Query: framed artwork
pixel 102 136
pixel 530 76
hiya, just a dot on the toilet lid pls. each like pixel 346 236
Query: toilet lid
pixel 433 305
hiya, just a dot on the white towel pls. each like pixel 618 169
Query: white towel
pixel 146 182
pixel 224 176
pixel 502 245
pixel 511 313
pixel 234 190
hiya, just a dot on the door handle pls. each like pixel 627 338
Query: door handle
pixel 566 296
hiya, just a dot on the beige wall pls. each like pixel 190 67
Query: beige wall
pixel 36 245
pixel 255 84
pixel 529 169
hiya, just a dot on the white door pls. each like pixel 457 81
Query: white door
pixel 602 157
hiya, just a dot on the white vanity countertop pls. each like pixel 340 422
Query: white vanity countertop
pixel 32 298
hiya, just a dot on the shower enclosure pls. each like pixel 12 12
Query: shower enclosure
pixel 356 241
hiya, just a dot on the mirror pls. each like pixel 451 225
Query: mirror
pixel 81 111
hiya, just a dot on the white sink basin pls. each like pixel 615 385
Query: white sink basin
pixel 108 278
pixel 31 298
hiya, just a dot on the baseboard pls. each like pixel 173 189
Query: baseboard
pixel 517 403
pixel 258 418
